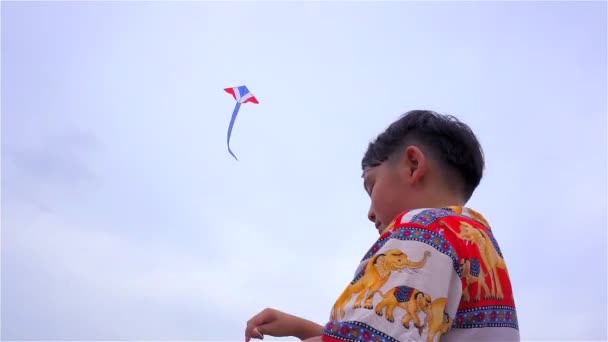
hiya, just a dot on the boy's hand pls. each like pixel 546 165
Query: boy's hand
pixel 279 324
pixel 269 322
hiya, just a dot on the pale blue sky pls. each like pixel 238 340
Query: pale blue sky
pixel 124 216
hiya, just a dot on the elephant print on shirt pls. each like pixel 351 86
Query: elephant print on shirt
pixel 488 252
pixel 373 277
pixel 412 300
pixel 472 273
pixel 437 320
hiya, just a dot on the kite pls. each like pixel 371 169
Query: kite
pixel 241 95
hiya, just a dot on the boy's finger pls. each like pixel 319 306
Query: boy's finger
pixel 252 332
pixel 258 333
pixel 256 320
pixel 251 324
pixel 248 331
pixel 261 323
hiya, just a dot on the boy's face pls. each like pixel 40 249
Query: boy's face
pixel 387 191
pixel 391 186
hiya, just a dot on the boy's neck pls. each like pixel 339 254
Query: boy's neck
pixel 442 200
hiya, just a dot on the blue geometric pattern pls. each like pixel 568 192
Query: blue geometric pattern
pixel 358 276
pixel 356 332
pixel 489 316
pixel 494 242
pixel 372 251
pixel 403 294
pixel 475 267
pixel 423 218
pixel 429 216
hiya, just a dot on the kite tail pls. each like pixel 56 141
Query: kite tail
pixel 234 113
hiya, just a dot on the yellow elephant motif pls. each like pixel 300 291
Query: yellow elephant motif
pixel 437 320
pixel 489 256
pixel 473 273
pixel 375 275
pixel 474 214
pixel 412 300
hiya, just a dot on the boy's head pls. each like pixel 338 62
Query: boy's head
pixel 422 160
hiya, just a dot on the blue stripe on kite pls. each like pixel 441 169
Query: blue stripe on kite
pixel 234 113
pixel 243 91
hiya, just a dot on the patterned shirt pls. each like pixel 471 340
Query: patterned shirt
pixel 433 274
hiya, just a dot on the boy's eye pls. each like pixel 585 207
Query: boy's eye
pixel 368 184
pixel 368 189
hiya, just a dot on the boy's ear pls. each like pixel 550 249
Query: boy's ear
pixel 416 164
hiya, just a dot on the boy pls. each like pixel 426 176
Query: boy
pixel 436 272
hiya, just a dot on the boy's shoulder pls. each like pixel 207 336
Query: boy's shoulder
pixel 436 227
pixel 449 230
pixel 434 217
pixel 458 225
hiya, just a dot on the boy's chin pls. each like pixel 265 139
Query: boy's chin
pixel 385 228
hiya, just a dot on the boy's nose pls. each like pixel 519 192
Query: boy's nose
pixel 371 215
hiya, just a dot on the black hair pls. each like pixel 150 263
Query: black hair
pixel 443 137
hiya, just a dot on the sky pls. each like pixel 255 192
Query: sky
pixel 125 218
